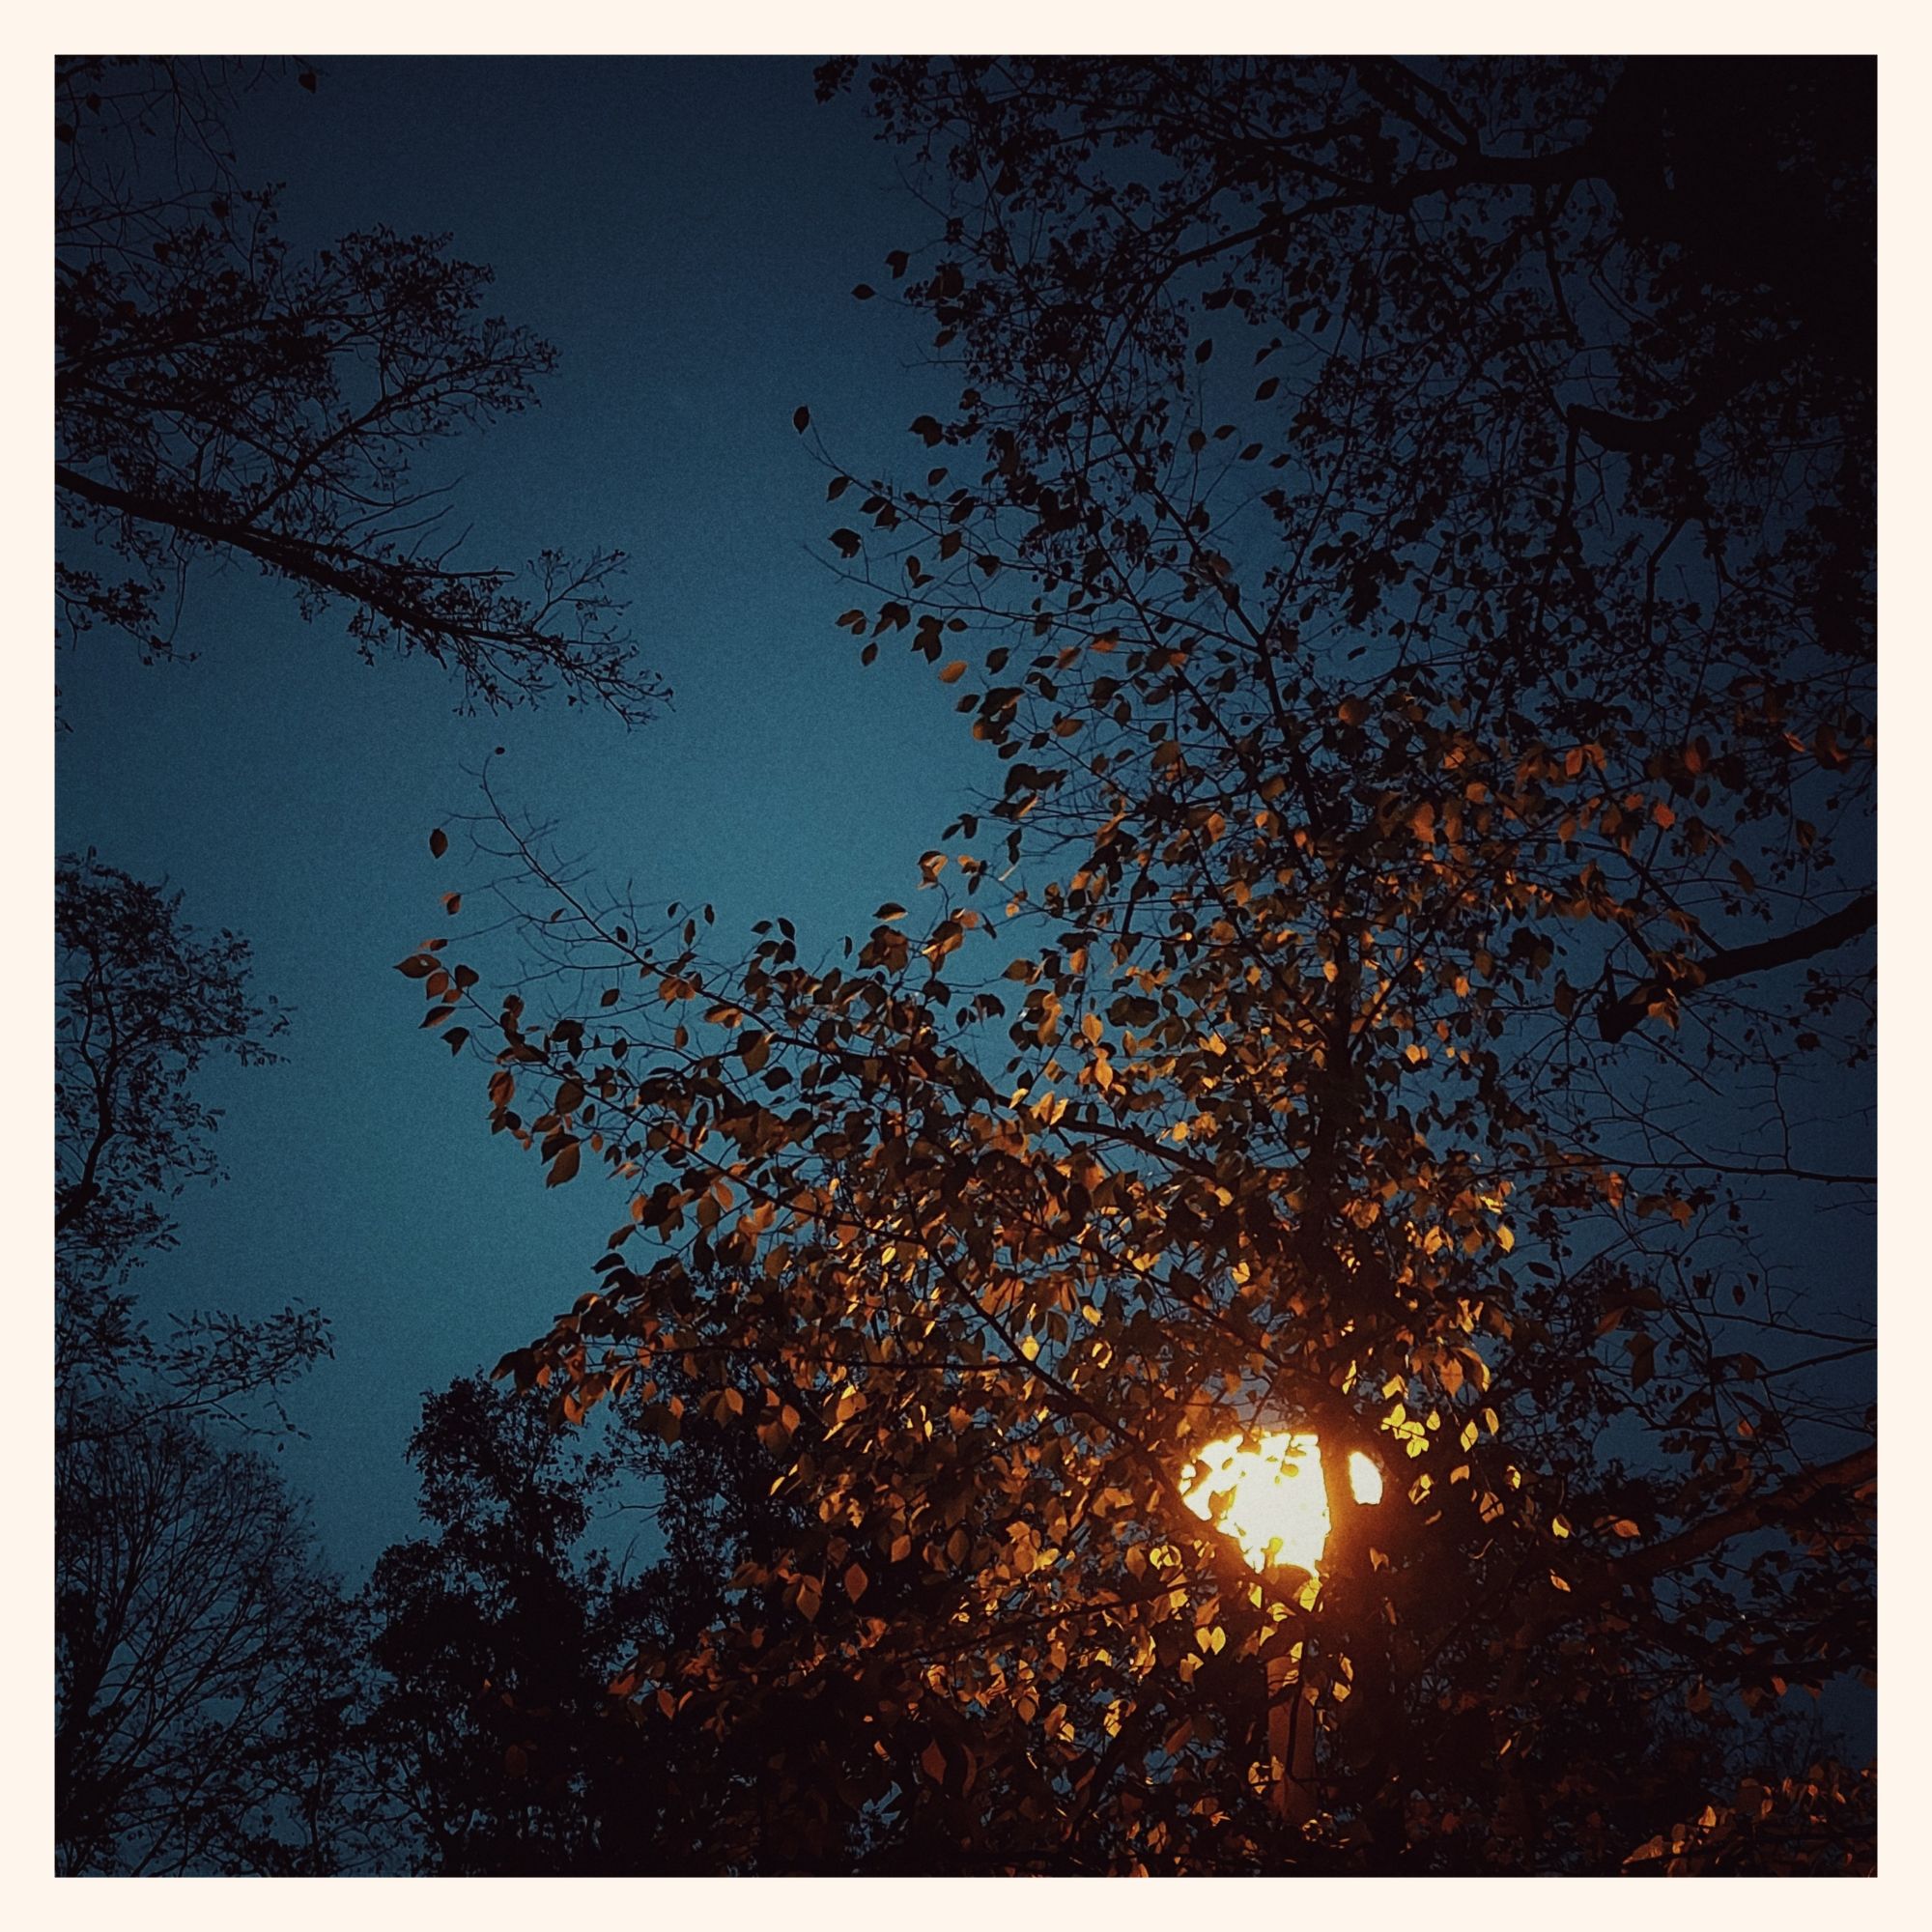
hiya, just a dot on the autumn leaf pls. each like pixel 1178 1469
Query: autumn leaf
pixel 1275 1018
pixel 1643 1352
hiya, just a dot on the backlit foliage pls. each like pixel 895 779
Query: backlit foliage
pixel 1403 540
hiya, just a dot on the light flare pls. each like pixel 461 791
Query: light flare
pixel 1266 1493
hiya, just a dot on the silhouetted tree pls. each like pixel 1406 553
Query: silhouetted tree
pixel 508 1644
pixel 194 1634
pixel 200 1646
pixel 143 1003
pixel 217 396
pixel 1385 843
pixel 496 1639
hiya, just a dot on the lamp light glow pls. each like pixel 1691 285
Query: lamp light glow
pixel 1266 1493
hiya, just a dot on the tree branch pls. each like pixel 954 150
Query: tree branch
pixel 1677 978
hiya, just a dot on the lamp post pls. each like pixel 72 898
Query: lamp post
pixel 1268 1493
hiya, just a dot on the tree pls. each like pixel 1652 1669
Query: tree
pixel 509 1642
pixel 216 396
pixel 194 1634
pixel 1354 1018
pixel 202 1657
pixel 143 1003
pixel 497 1639
pixel 220 397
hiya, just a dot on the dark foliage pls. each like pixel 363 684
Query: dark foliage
pixel 217 396
pixel 144 1002
pixel 494 1641
pixel 1412 539
pixel 203 1662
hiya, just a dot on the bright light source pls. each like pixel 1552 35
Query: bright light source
pixel 1267 1494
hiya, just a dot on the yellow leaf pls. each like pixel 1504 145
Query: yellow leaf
pixel 1558 1581
pixel 954 671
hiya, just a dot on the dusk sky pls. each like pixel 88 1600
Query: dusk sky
pixel 1408 532
pixel 688 233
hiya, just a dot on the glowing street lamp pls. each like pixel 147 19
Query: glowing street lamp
pixel 1268 1495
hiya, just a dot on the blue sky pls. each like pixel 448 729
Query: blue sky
pixel 688 233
